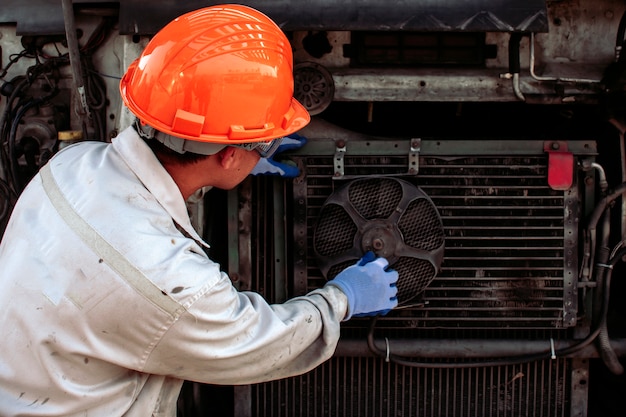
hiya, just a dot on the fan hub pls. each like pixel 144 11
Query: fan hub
pixel 381 237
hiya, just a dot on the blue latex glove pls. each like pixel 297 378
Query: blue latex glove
pixel 369 285
pixel 268 166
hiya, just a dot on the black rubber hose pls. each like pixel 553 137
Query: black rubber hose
pixel 607 353
pixel 405 361
pixel 16 92
pixel 13 162
pixel 5 127
pixel 603 204
pixel 601 271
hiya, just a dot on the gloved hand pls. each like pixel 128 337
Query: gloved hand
pixel 268 166
pixel 369 286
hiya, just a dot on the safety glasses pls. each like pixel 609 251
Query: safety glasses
pixel 265 149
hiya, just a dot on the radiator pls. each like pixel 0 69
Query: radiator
pixel 509 273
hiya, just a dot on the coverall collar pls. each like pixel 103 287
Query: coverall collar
pixel 142 161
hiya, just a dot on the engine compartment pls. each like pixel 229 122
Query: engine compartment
pixel 509 116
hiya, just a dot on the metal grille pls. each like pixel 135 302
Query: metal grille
pixel 416 236
pixel 341 227
pixel 506 263
pixel 505 243
pixel 363 198
pixel 367 387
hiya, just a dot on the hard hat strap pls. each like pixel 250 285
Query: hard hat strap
pixel 177 144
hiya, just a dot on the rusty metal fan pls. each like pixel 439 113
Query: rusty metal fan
pixel 391 217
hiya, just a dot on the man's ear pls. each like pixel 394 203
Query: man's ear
pixel 227 157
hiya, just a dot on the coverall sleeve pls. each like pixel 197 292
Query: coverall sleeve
pixel 231 337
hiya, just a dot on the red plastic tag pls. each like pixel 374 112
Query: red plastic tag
pixel 560 166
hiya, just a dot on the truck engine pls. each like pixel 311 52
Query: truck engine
pixel 478 146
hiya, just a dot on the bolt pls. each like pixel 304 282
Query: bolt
pixel 378 244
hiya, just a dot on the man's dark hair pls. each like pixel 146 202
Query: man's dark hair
pixel 170 156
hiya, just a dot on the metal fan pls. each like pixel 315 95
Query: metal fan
pixel 391 217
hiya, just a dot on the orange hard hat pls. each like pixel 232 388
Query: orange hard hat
pixel 221 74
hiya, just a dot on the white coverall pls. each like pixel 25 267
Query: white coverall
pixel 109 301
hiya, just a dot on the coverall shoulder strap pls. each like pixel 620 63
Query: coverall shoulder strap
pixel 111 256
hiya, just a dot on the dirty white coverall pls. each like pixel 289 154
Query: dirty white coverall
pixel 107 316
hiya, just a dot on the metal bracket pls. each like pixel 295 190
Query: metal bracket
pixel 339 169
pixel 414 156
pixel 338 162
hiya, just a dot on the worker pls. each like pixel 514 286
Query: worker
pixel 109 301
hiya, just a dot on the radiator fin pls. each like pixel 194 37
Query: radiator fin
pixel 367 387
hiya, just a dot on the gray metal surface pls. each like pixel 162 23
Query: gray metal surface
pixel 428 15
pixel 36 17
pixel 147 17
pixel 451 85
